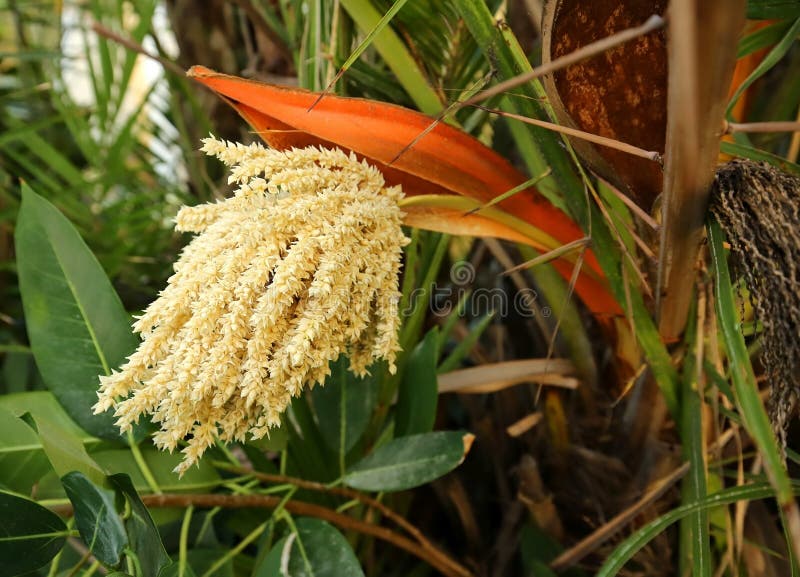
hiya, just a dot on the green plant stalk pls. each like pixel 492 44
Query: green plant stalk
pixel 628 548
pixel 749 403
pixel 142 464
pixel 695 541
pixel 184 540
pixel 395 54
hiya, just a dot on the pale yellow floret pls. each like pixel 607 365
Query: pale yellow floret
pixel 298 267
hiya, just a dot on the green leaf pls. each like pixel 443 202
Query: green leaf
pixel 96 518
pixel 395 54
pixel 316 549
pixel 628 548
pixel 65 451
pixel 762 38
pixel 30 535
pixel 22 461
pixel 344 405
pixel 143 534
pixel 738 149
pixel 770 60
pixel 410 461
pixel 749 403
pixel 76 323
pixel 419 392
pixel 772 9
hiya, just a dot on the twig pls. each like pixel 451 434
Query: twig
pixel 340 491
pixel 435 558
pixel 136 47
pixel 653 23
pixel 577 244
pixel 780 126
pixel 634 208
pixel 588 136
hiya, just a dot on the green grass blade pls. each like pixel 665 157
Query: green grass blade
pixel 770 60
pixel 695 541
pixel 624 552
pixel 395 54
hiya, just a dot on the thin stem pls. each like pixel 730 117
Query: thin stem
pixel 142 464
pixel 184 539
pixel 588 136
pixel 779 126
pixel 434 557
pixel 340 491
pixel 136 47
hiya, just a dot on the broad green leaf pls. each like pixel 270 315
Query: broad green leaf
pixel 22 461
pixel 769 9
pixel 143 534
pixel 76 323
pixel 410 461
pixel 96 518
pixel 22 452
pixel 65 451
pixel 273 563
pixel 317 549
pixel 344 405
pixel 30 535
pixel 418 392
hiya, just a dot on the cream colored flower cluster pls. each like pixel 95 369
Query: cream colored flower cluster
pixel 299 266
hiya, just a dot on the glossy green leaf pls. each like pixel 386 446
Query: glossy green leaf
pixel 418 393
pixel 769 9
pixel 22 461
pixel 344 405
pixel 143 534
pixel 76 323
pixel 317 549
pixel 65 451
pixel 96 518
pixel 410 461
pixel 30 535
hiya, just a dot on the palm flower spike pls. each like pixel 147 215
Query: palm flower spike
pixel 298 267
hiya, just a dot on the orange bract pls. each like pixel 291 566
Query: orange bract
pixel 444 160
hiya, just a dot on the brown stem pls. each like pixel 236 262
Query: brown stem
pixel 588 136
pixel 434 557
pixel 136 47
pixel 780 126
pixel 340 491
